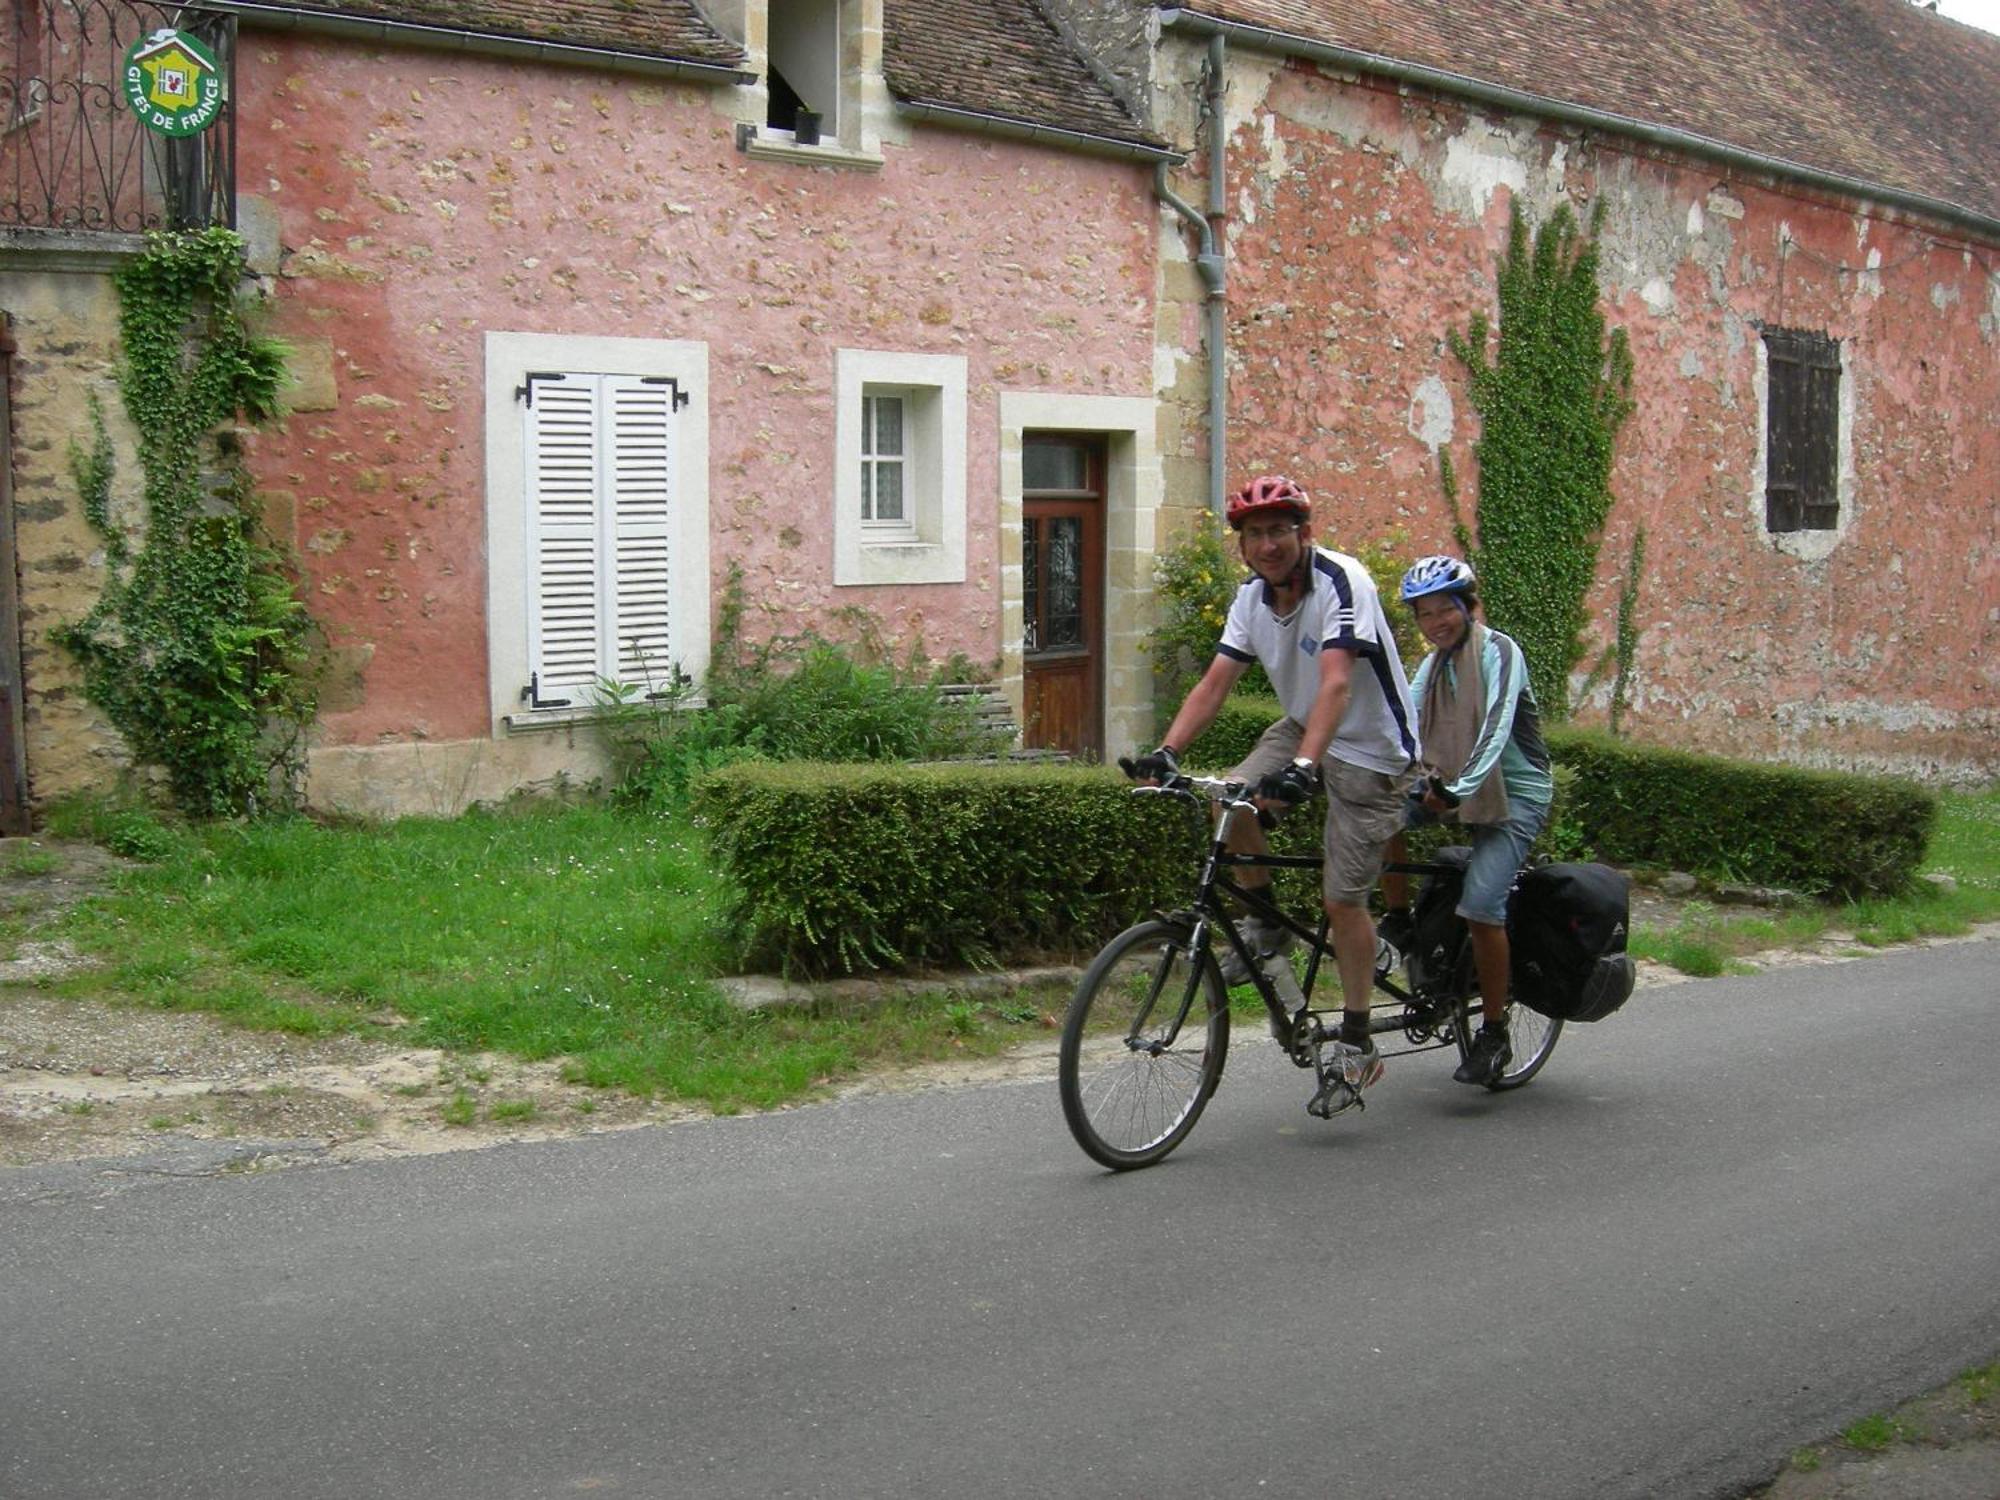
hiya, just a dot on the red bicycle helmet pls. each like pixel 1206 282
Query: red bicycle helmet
pixel 1268 492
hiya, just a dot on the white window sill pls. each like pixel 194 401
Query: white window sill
pixel 879 563
pixel 778 145
pixel 543 720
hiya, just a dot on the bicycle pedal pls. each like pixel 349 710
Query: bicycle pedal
pixel 1323 1106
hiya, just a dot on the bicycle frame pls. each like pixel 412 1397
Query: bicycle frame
pixel 1424 1024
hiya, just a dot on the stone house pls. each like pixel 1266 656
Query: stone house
pixel 589 307
pixel 1801 240
pixel 949 310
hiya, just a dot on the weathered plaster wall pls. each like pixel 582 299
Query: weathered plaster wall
pixel 1364 225
pixel 65 318
pixel 419 201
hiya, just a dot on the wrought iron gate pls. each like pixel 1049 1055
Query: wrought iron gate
pixel 73 155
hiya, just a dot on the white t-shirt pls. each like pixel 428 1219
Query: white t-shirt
pixel 1340 611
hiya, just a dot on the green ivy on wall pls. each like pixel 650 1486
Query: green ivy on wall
pixel 197 650
pixel 1552 391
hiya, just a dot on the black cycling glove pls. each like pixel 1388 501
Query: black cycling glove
pixel 1293 785
pixel 1162 764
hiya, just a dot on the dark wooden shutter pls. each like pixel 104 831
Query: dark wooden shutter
pixel 1801 477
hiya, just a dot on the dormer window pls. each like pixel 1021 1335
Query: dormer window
pixel 802 78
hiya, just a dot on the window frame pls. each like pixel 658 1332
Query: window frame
pixel 1803 497
pixel 877 529
pixel 511 596
pixel 928 546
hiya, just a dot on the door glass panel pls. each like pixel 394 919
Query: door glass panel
pixel 1054 464
pixel 1031 585
pixel 1065 581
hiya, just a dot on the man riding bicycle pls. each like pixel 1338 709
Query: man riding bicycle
pixel 1489 772
pixel 1314 620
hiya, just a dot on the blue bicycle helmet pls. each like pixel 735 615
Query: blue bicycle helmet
pixel 1440 574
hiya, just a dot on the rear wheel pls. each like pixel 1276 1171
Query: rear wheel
pixel 1532 1034
pixel 1534 1037
pixel 1143 1045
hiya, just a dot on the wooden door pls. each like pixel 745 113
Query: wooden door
pixel 1062 593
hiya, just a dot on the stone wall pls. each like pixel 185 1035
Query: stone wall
pixel 58 292
pixel 1365 223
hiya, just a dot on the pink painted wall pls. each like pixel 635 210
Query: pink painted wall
pixel 424 200
pixel 1355 248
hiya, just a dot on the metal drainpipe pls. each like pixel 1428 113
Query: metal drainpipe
pixel 1213 268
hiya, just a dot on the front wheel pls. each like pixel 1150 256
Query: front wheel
pixel 1143 1045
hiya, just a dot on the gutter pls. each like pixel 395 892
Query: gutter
pixel 1514 100
pixel 1213 267
pixel 273 17
pixel 1028 130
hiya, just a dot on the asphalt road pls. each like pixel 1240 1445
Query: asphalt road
pixel 1722 1223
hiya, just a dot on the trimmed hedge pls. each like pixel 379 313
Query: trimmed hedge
pixel 1825 833
pixel 838 868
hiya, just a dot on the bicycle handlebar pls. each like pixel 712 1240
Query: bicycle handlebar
pixel 1229 795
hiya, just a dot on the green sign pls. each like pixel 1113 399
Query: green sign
pixel 173 84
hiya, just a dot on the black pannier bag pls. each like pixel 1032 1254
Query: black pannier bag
pixel 1567 926
pixel 1435 919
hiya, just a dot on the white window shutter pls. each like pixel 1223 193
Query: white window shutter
pixel 564 537
pixel 600 512
pixel 639 497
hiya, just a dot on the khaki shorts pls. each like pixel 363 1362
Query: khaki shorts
pixel 1364 810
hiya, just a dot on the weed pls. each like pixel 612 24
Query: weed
pixel 1980 1385
pixel 513 1109
pixel 78 1107
pixel 1873 1434
pixel 413 1090
pixel 585 1106
pixel 459 1111
pixel 1806 1460
pixel 30 862
pixel 160 1122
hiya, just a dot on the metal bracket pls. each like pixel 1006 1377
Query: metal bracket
pixel 680 396
pixel 526 391
pixel 532 693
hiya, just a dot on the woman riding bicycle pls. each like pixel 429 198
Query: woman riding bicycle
pixel 1476 717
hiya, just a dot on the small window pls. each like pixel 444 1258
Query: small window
pixel 899 468
pixel 883 457
pixel 802 77
pixel 1802 469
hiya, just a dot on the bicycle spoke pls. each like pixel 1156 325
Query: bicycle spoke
pixel 1143 1046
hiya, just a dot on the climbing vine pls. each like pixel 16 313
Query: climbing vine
pixel 1552 391
pixel 197 649
pixel 1628 630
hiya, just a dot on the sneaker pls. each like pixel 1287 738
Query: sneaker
pixel 1349 1070
pixel 1264 942
pixel 1395 936
pixel 1488 1059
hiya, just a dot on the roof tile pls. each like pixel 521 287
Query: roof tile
pixel 1001 57
pixel 1882 91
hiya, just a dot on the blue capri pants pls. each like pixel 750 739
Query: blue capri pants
pixel 1498 852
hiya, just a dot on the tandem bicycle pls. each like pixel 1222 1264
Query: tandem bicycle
pixel 1147 1032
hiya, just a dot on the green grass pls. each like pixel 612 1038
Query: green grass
pixel 1980 1385
pixel 26 862
pixel 1873 1434
pixel 1965 846
pixel 586 933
